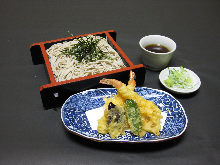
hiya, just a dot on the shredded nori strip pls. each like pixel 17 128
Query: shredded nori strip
pixel 86 49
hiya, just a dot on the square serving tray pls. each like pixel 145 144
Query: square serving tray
pixel 55 93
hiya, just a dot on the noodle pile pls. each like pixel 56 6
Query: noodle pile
pixel 66 68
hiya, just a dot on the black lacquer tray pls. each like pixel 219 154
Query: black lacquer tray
pixel 55 93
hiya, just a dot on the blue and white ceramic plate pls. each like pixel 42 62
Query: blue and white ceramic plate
pixel 80 110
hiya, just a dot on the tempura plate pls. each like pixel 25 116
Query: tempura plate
pixel 73 115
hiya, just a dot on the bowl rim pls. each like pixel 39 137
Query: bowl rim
pixel 157 35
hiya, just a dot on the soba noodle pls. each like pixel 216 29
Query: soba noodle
pixel 66 68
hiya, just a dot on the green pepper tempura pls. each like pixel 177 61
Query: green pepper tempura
pixel 134 116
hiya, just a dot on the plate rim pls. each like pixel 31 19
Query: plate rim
pixel 162 74
pixel 124 141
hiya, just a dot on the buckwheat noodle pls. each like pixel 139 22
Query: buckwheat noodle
pixel 66 68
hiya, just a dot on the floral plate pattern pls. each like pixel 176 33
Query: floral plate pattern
pixel 73 115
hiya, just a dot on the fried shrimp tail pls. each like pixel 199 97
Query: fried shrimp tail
pixel 115 83
pixel 131 83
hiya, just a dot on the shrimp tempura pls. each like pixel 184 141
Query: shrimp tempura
pixel 150 113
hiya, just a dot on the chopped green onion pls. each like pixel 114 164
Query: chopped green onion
pixel 179 79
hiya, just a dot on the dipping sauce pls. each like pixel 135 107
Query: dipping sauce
pixel 157 48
